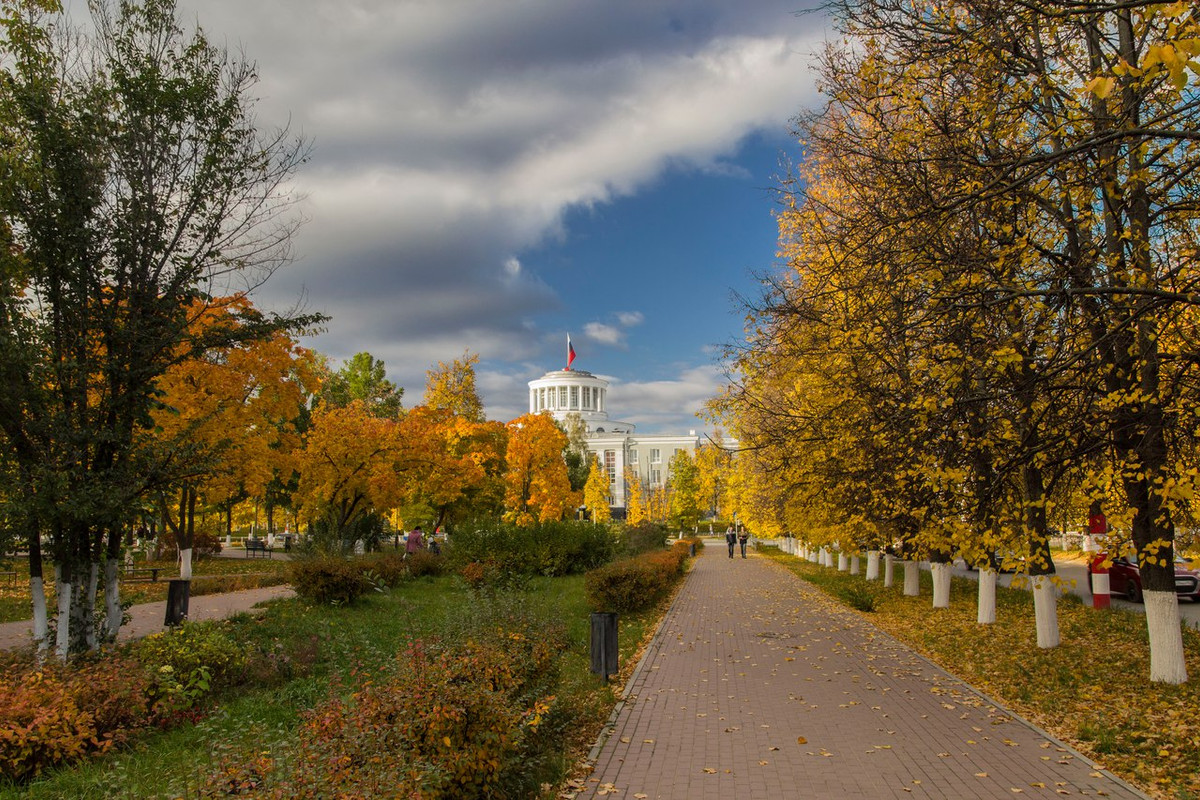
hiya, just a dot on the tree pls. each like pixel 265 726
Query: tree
pixel 452 465
pixel 684 491
pixel 535 479
pixel 987 291
pixel 597 492
pixel 636 502
pixel 713 463
pixel 364 378
pixel 133 181
pixel 452 387
pixel 225 423
pixel 348 470
pixel 577 455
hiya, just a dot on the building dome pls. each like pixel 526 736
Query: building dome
pixel 572 391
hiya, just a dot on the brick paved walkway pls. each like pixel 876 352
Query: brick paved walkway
pixel 757 687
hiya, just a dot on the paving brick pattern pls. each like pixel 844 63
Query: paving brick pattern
pixel 757 686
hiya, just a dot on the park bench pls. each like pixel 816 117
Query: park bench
pixel 257 546
pixel 149 574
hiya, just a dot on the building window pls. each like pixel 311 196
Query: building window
pixel 633 457
pixel 541 400
pixel 574 398
pixel 562 397
pixel 587 397
pixel 610 464
pixel 655 456
pixel 656 477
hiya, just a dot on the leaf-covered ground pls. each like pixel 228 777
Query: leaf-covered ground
pixel 1092 691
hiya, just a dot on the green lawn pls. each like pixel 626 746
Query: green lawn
pixel 349 643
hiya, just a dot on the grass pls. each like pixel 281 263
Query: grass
pixel 354 642
pixel 1093 690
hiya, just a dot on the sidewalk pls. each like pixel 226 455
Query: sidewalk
pixel 147 618
pixel 758 687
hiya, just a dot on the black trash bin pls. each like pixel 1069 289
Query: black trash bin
pixel 604 644
pixel 177 601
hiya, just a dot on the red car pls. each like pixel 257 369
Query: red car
pixel 1125 578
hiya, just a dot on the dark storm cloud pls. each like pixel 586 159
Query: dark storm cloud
pixel 450 136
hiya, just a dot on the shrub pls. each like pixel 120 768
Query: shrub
pixel 389 568
pixel 191 648
pixel 632 584
pixel 551 548
pixel 56 715
pixel 468 721
pixel 424 563
pixel 645 537
pixel 334 581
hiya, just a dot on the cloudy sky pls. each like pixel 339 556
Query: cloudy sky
pixel 493 175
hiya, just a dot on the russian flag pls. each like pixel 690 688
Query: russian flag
pixel 570 352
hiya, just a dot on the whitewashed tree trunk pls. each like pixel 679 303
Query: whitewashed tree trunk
pixel 1045 610
pixel 814 556
pixel 912 578
pixel 854 565
pixel 987 596
pixel 1167 664
pixel 941 585
pixel 112 598
pixel 843 562
pixel 41 620
pixel 872 565
pixel 889 570
pixel 62 645
pixel 185 563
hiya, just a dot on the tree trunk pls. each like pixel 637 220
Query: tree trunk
pixel 854 565
pixel 987 596
pixel 889 570
pixel 41 626
pixel 941 584
pixel 112 599
pixel 1045 604
pixel 62 647
pixel 37 589
pixel 843 562
pixel 1167 661
pixel 872 565
pixel 912 578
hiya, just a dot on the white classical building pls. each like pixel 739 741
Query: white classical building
pixel 564 392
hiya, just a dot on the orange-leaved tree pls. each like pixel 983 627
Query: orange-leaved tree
pixel 348 468
pixel 536 486
pixel 225 421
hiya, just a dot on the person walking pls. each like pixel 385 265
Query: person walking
pixel 743 537
pixel 730 539
pixel 415 542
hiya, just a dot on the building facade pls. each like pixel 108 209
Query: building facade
pixel 566 392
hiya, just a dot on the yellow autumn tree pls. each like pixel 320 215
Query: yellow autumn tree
pixel 597 491
pixel 350 466
pixel 452 387
pixel 537 488
pixel 636 506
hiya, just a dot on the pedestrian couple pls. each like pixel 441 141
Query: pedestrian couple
pixel 735 538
